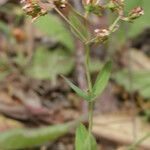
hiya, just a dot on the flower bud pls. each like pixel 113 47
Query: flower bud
pixel 87 2
pixel 32 8
pixel 116 5
pixel 92 6
pixel 102 35
pixel 60 3
pixel 136 13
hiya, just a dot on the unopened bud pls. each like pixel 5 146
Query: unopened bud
pixel 87 2
pixel 136 13
pixel 102 35
pixel 116 5
pixel 33 9
pixel 60 3
pixel 93 6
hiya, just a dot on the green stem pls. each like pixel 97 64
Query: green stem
pixel 74 28
pixel 111 28
pixel 91 108
pixel 90 104
pixel 87 64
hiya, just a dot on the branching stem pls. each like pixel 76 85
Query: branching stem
pixel 111 28
pixel 71 25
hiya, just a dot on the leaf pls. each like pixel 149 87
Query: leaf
pixel 140 81
pixel 102 80
pixel 90 143
pixel 78 91
pixel 84 141
pixel 49 64
pixel 4 27
pixel 81 134
pixel 52 26
pixel 27 138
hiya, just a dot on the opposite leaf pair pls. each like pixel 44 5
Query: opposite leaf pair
pixel 84 140
pixel 99 86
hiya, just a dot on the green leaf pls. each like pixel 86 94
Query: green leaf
pixel 102 80
pixel 52 26
pixel 78 91
pixel 81 135
pixel 140 81
pixel 4 27
pixel 49 64
pixel 27 138
pixel 84 140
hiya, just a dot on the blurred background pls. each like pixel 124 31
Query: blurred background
pixel 33 55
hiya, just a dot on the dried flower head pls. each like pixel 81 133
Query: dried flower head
pixel 136 13
pixel 102 35
pixel 116 5
pixel 93 6
pixel 87 2
pixel 32 8
pixel 60 3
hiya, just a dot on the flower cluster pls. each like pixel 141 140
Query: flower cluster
pixel 116 6
pixel 32 8
pixel 102 35
pixel 134 14
pixel 36 8
pixel 92 6
pixel 60 3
